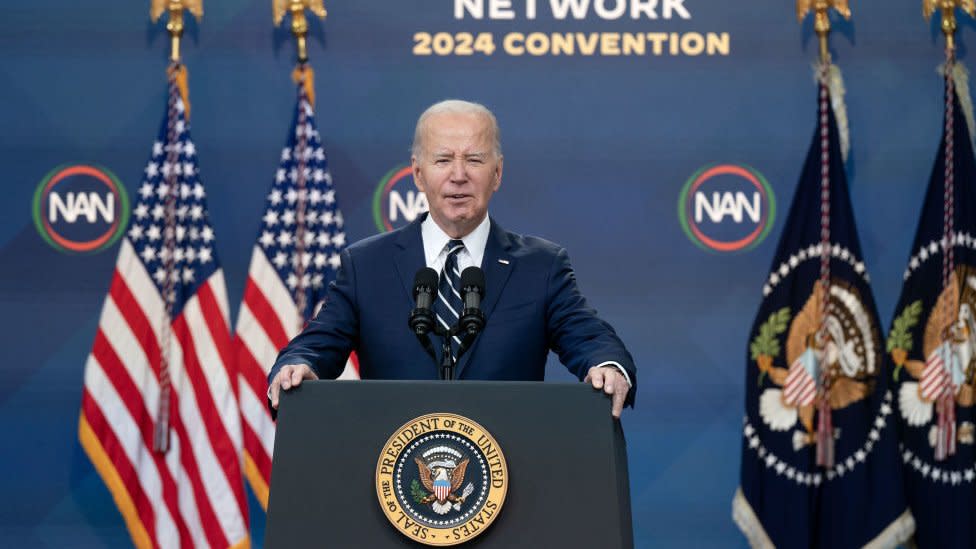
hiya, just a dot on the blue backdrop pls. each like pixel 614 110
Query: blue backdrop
pixel 597 151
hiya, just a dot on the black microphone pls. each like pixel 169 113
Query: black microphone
pixel 472 319
pixel 421 319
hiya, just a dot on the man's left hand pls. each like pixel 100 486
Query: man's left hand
pixel 613 383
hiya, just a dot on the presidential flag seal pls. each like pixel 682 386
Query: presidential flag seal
pixel 441 479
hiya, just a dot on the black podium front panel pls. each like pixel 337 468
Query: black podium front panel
pixel 565 453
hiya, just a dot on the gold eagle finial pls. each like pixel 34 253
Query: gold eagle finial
pixel 299 24
pixel 281 7
pixel 175 23
pixel 948 9
pixel 821 23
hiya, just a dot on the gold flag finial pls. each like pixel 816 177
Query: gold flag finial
pixel 821 23
pixel 175 23
pixel 299 24
pixel 948 9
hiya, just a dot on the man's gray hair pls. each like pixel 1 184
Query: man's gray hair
pixel 456 106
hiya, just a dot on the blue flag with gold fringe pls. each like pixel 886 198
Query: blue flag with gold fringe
pixel 820 465
pixel 932 342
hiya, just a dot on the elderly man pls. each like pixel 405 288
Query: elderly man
pixel 532 303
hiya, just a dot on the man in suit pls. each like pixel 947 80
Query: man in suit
pixel 532 303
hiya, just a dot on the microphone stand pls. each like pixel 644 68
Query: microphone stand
pixel 447 358
pixel 448 361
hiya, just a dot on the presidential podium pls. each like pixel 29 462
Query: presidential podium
pixel 372 464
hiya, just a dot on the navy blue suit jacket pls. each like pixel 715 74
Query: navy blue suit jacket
pixel 531 304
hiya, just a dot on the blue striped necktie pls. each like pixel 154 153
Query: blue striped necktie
pixel 448 306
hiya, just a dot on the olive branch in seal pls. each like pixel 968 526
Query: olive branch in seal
pixel 900 339
pixel 416 492
pixel 765 346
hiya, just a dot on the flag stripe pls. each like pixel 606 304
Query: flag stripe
pixel 252 376
pixel 108 455
pixel 262 459
pixel 212 342
pixel 116 330
pixel 272 289
pixel 202 468
pixel 121 441
pixel 259 420
pixel 265 315
pixel 212 445
pixel 115 372
pixel 253 332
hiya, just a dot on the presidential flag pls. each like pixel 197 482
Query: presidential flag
pixel 295 258
pixel 819 454
pixel 932 340
pixel 159 413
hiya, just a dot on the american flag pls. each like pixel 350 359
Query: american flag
pixel 159 413
pixel 294 259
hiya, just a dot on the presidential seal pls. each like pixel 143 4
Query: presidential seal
pixel 441 479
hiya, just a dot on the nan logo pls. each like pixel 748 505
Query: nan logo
pixel 726 208
pixel 396 201
pixel 80 208
pixel 441 479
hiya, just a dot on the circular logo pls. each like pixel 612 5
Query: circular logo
pixel 441 479
pixel 396 201
pixel 727 208
pixel 80 208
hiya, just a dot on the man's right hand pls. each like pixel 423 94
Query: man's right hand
pixel 290 375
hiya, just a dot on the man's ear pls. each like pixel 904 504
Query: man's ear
pixel 498 173
pixel 418 180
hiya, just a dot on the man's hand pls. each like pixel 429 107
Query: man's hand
pixel 613 383
pixel 290 375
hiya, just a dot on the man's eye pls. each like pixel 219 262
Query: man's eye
pixel 440 161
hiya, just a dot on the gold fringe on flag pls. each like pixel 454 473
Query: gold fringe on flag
pixel 960 77
pixel 181 75
pixel 304 75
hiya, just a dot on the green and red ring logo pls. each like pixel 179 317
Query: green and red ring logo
pixel 80 208
pixel 396 201
pixel 727 208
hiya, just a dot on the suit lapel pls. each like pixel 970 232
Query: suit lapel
pixel 497 264
pixel 409 257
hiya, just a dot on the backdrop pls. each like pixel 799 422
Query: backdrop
pixel 600 141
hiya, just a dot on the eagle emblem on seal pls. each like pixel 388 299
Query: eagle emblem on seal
pixel 442 474
pixel 840 362
pixel 946 367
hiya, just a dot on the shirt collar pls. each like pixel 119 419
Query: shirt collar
pixel 435 239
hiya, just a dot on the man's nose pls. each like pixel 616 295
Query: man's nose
pixel 459 171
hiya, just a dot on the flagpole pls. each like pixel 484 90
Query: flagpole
pixel 945 445
pixel 821 25
pixel 178 86
pixel 304 76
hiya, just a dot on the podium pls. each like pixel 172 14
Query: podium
pixel 567 482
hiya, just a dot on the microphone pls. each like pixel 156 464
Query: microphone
pixel 421 319
pixel 472 319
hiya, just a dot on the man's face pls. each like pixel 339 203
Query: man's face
pixel 458 170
